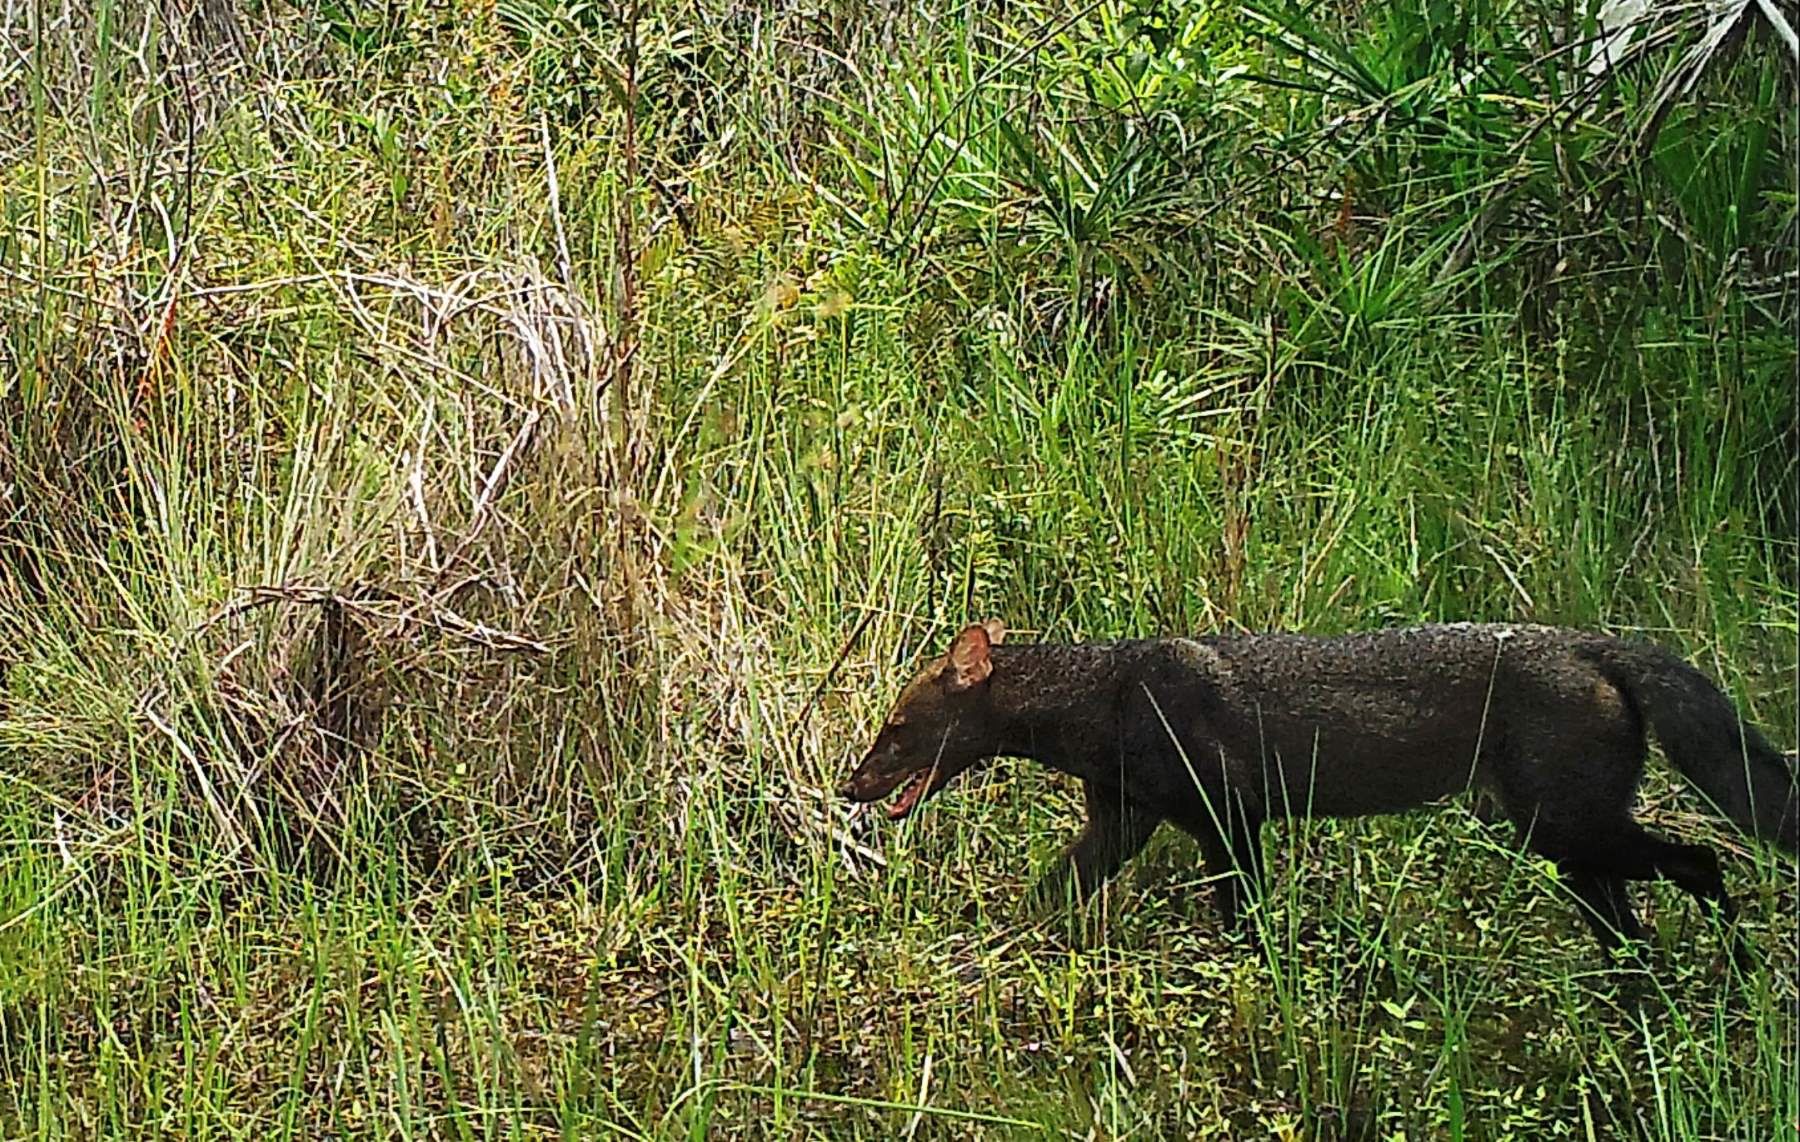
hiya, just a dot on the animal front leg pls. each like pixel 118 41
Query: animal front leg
pixel 1117 830
pixel 1232 849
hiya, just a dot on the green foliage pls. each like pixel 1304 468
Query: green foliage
pixel 423 675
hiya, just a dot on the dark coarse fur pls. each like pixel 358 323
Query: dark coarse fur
pixel 1218 735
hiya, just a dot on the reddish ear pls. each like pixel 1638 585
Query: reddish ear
pixel 969 661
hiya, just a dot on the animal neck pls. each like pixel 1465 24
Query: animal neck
pixel 1058 704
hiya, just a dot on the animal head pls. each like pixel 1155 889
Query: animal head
pixel 943 724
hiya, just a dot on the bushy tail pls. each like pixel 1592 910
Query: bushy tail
pixel 1726 758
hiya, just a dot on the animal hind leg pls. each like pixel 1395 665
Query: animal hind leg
pixel 1695 870
pixel 1593 875
pixel 1627 852
pixel 1692 868
pixel 1605 905
pixel 1585 830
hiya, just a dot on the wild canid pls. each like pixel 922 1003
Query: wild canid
pixel 1218 735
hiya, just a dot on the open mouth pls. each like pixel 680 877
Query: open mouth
pixel 920 786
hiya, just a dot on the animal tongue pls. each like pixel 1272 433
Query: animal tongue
pixel 909 796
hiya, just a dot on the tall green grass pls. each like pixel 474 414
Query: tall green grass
pixel 418 722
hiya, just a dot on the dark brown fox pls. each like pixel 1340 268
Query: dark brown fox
pixel 1218 735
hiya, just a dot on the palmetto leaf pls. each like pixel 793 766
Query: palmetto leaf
pixel 1727 22
pixel 1630 31
pixel 1617 24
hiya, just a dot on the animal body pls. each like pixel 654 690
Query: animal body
pixel 1219 735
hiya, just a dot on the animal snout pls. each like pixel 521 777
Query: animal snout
pixel 856 786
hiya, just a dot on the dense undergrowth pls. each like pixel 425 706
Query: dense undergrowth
pixel 472 475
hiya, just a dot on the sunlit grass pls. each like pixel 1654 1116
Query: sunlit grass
pixel 410 729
